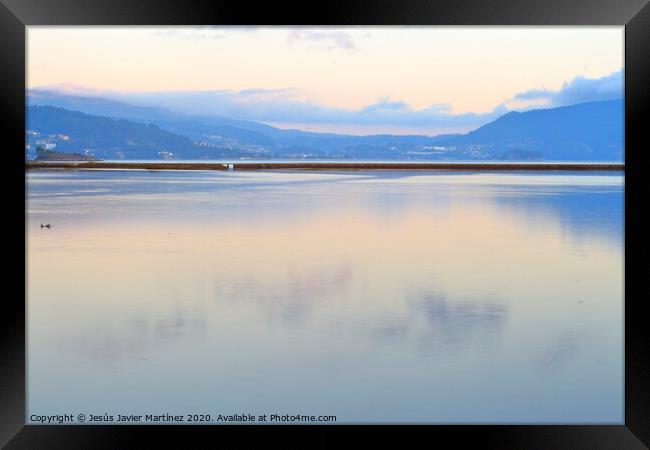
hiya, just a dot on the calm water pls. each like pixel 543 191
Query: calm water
pixel 372 296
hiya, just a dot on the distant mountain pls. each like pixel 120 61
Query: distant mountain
pixel 116 130
pixel 102 137
pixel 97 106
pixel 592 131
pixel 221 137
pixel 100 106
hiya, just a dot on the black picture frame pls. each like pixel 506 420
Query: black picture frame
pixel 15 15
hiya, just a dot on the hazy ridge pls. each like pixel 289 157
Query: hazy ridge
pixel 109 129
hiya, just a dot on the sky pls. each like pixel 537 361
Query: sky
pixel 356 80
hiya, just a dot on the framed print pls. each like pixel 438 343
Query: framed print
pixel 406 218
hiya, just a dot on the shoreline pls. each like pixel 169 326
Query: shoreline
pixel 491 166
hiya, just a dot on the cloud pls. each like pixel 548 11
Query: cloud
pixel 266 95
pixel 578 90
pixel 203 31
pixel 384 105
pixel 289 106
pixel 324 40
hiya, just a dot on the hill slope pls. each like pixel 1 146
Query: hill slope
pixel 590 131
pixel 102 137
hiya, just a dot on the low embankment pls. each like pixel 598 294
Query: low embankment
pixel 320 166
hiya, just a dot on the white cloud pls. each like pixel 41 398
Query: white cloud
pixel 321 39
pixel 578 90
pixel 201 32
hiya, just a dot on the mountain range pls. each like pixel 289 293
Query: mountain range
pixel 109 129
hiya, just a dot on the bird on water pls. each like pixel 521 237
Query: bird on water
pixel 46 225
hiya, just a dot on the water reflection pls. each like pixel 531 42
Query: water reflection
pixel 290 298
pixel 456 325
pixel 289 196
pixel 362 294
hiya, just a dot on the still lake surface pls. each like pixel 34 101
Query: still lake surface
pixel 399 297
